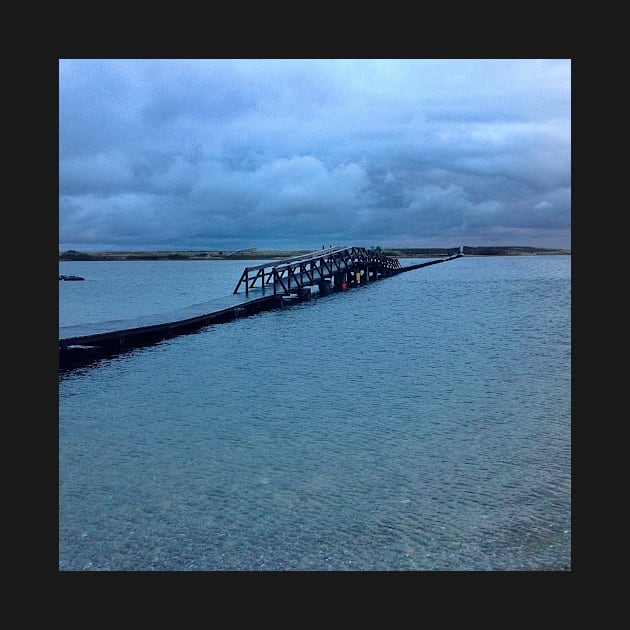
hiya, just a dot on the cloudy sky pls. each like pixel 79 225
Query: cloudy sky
pixel 283 154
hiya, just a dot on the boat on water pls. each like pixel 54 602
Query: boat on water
pixel 70 278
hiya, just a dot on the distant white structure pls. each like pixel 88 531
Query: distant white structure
pixel 461 250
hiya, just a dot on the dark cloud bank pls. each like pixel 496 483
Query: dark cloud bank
pixel 284 154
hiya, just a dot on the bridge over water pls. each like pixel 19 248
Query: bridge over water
pixel 329 268
pixel 266 286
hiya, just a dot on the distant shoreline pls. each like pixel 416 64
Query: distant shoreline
pixel 266 254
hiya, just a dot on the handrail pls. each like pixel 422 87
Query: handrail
pixel 327 258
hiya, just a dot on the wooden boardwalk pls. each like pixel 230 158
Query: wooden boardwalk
pixel 83 343
pixel 291 279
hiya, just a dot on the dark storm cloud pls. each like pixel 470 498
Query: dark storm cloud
pixel 295 153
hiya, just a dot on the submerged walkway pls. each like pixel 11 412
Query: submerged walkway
pixel 225 305
pixel 84 343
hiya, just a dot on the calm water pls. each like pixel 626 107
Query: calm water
pixel 422 422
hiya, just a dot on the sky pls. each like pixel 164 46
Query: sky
pixel 229 154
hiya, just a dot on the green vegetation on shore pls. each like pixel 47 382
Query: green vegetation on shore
pixel 268 254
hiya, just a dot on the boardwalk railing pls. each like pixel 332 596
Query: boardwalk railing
pixel 335 264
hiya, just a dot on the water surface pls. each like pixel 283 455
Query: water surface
pixel 422 422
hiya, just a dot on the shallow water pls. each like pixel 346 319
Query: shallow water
pixel 422 422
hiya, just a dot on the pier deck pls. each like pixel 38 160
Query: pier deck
pixel 82 343
pixel 85 333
